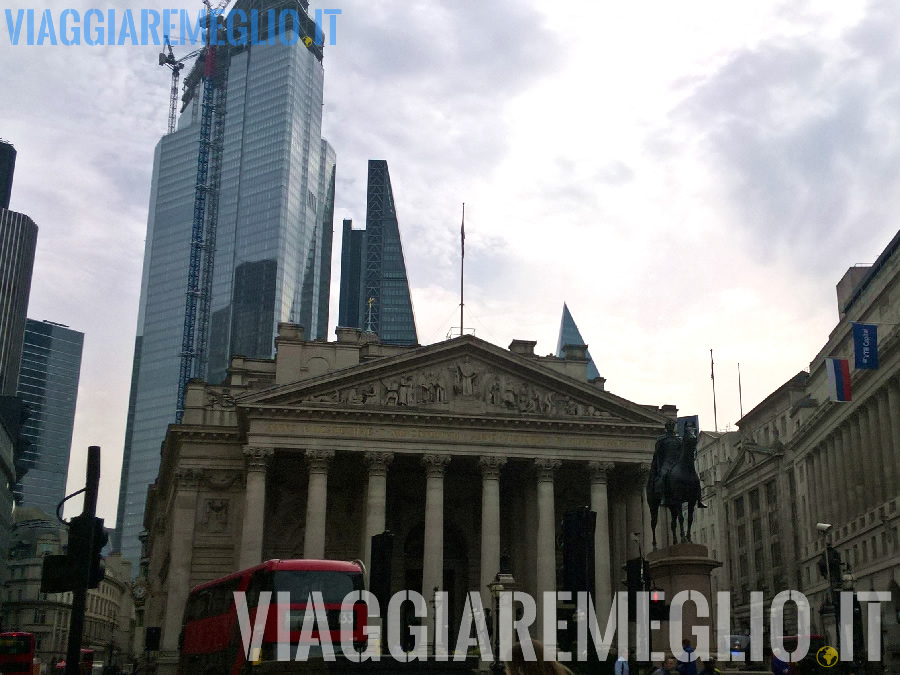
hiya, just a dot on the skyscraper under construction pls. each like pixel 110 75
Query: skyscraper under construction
pixel 275 201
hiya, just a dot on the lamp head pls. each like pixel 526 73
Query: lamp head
pixel 823 527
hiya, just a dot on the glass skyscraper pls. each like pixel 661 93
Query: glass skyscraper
pixel 273 247
pixel 570 335
pixel 374 287
pixel 48 385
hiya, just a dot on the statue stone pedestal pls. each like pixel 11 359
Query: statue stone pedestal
pixel 683 567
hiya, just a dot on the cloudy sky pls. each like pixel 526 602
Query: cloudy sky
pixel 685 176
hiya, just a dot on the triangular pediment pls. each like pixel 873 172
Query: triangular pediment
pixel 461 376
pixel 750 458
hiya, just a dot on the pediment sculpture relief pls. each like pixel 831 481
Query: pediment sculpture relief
pixel 435 387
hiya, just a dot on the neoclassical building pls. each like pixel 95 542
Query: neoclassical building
pixel 467 452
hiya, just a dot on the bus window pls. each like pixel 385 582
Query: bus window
pixel 334 587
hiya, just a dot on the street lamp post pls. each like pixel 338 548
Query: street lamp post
pixel 829 620
pixel 502 582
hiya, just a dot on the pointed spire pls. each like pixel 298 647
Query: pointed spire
pixel 570 335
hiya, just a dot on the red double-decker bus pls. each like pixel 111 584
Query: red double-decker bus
pixel 16 652
pixel 211 638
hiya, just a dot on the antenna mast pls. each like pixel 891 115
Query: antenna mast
pixel 462 264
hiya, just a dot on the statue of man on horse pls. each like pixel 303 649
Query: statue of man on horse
pixel 673 479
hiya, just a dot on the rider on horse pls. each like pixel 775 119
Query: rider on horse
pixel 666 456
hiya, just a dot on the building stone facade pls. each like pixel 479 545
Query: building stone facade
pixel 799 459
pixel 470 454
pixel 109 620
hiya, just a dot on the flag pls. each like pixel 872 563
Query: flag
pixel 462 232
pixel 865 346
pixel 838 379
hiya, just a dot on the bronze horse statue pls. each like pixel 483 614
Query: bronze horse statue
pixel 674 481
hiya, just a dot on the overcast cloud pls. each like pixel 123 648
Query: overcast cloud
pixel 686 176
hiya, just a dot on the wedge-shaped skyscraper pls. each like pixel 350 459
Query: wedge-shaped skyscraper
pixel 374 287
pixel 274 234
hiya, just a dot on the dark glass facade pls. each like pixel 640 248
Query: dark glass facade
pixel 273 246
pixel 377 273
pixel 7 167
pixel 18 239
pixel 48 386
pixel 351 303
pixel 570 335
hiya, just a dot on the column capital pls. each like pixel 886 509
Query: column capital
pixel 600 471
pixel 378 462
pixel 318 460
pixel 435 464
pixel 644 469
pixel 491 465
pixel 257 459
pixel 545 467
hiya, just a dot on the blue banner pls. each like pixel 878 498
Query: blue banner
pixel 865 346
pixel 682 422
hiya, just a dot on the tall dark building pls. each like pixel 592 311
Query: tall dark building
pixel 351 307
pixel 7 167
pixel 48 385
pixel 373 269
pixel 18 238
pixel 274 234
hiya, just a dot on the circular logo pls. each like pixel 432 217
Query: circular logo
pixel 827 656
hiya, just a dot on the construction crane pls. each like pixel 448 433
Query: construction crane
pixel 168 59
pixel 206 210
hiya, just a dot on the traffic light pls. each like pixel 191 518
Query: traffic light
pixel 659 610
pixel 86 541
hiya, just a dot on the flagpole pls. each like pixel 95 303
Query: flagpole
pixel 712 375
pixel 740 398
pixel 462 265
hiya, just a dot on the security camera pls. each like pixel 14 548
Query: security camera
pixel 823 527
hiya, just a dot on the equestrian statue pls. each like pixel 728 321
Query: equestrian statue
pixel 673 480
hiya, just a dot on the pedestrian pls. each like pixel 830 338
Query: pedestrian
pixel 667 667
pixel 522 664
pixel 688 667
pixel 779 667
pixel 622 667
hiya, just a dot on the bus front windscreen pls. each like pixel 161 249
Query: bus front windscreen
pixel 334 586
pixel 15 645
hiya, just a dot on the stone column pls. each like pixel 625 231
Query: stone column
pixel 257 461
pixel 376 500
pixel 433 557
pixel 490 523
pixel 184 515
pixel 866 457
pixel 843 492
pixel 316 503
pixel 816 487
pixel 893 389
pixel 878 489
pixel 644 473
pixel 834 485
pixel 887 449
pixel 847 439
pixel 546 534
pixel 602 569
pixel 634 513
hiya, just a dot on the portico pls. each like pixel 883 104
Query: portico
pixel 468 453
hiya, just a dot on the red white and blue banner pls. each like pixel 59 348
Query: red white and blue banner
pixel 865 346
pixel 838 379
